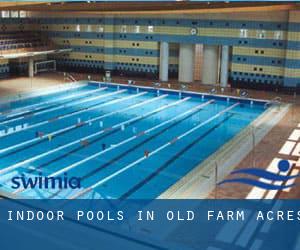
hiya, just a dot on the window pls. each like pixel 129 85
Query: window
pixel 243 33
pixel 5 14
pixel 22 14
pixel 89 28
pixel 137 29
pixel 150 29
pixel 14 14
pixel 278 35
pixel 100 29
pixel 123 29
pixel 261 34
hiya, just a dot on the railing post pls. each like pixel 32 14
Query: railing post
pixel 216 179
pixel 253 145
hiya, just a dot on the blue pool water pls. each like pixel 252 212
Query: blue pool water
pixel 122 142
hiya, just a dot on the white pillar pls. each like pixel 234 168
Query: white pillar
pixel 164 62
pixel 186 63
pixel 210 64
pixel 30 67
pixel 224 65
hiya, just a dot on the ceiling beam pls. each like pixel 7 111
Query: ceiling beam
pixel 150 8
pixel 18 5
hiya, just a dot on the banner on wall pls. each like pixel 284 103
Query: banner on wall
pixel 150 224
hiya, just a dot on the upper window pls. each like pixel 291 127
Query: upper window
pixel 100 29
pixel 261 34
pixel 5 14
pixel 150 29
pixel 137 29
pixel 278 35
pixel 22 14
pixel 89 28
pixel 14 14
pixel 243 33
pixel 123 29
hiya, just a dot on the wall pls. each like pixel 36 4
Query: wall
pixel 292 54
pixel 4 68
pixel 265 46
pixel 16 25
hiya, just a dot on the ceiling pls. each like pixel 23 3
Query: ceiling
pixel 140 7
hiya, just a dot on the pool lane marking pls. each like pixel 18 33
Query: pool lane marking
pixel 77 125
pixel 44 111
pixel 82 110
pixel 86 123
pixel 48 104
pixel 99 138
pixel 138 135
pixel 65 88
pixel 80 193
pixel 81 124
pixel 157 171
pixel 117 126
pixel 129 149
pixel 62 130
pixel 16 165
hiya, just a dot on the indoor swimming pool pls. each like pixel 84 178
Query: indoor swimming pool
pixel 120 141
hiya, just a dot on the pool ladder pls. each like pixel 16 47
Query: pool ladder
pixel 69 77
pixel 274 102
pixel 157 85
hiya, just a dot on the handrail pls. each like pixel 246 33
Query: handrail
pixel 70 77
pixel 183 87
pixel 275 101
pixel 156 85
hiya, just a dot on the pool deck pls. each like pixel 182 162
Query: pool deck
pixel 282 141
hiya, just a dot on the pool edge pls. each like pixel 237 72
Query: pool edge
pixel 175 91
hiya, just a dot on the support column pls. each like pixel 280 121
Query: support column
pixel 210 64
pixel 164 62
pixel 186 63
pixel 224 66
pixel 31 67
pixel 108 44
pixel 198 62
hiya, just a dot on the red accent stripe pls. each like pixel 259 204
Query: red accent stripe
pixel 140 134
pixel 80 124
pixel 174 140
